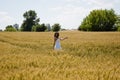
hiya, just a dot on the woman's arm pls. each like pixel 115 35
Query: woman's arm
pixel 64 38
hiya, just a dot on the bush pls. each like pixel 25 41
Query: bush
pixel 10 28
pixel 34 28
pixel 99 20
pixel 56 27
pixel 39 28
pixel 118 28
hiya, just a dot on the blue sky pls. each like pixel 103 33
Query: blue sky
pixel 68 13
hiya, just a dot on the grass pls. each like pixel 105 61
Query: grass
pixel 85 56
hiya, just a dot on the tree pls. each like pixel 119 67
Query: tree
pixel 118 28
pixel 43 27
pixel 34 28
pixel 39 28
pixel 30 20
pixel 10 28
pixel 99 20
pixel 117 24
pixel 56 27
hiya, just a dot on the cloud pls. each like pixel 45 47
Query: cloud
pixel 72 0
pixel 5 20
pixel 100 3
pixel 69 16
pixel 96 3
pixel 5 17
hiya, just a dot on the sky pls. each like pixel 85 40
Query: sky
pixel 68 13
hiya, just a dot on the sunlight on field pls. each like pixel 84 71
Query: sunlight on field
pixel 84 56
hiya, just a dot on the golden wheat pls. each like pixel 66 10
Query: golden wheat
pixel 84 56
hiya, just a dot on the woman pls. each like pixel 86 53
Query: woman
pixel 56 44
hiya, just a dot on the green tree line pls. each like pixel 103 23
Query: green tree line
pixel 97 20
pixel 31 23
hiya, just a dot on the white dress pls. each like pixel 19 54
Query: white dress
pixel 57 45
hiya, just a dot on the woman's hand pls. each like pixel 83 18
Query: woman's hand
pixel 63 38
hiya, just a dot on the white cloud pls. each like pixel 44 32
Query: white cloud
pixel 70 16
pixel 72 0
pixel 96 3
pixel 5 20
pixel 101 3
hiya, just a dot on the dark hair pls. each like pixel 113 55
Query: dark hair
pixel 56 35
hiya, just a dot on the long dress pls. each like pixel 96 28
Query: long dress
pixel 57 45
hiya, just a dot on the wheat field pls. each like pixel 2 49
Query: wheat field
pixel 84 56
